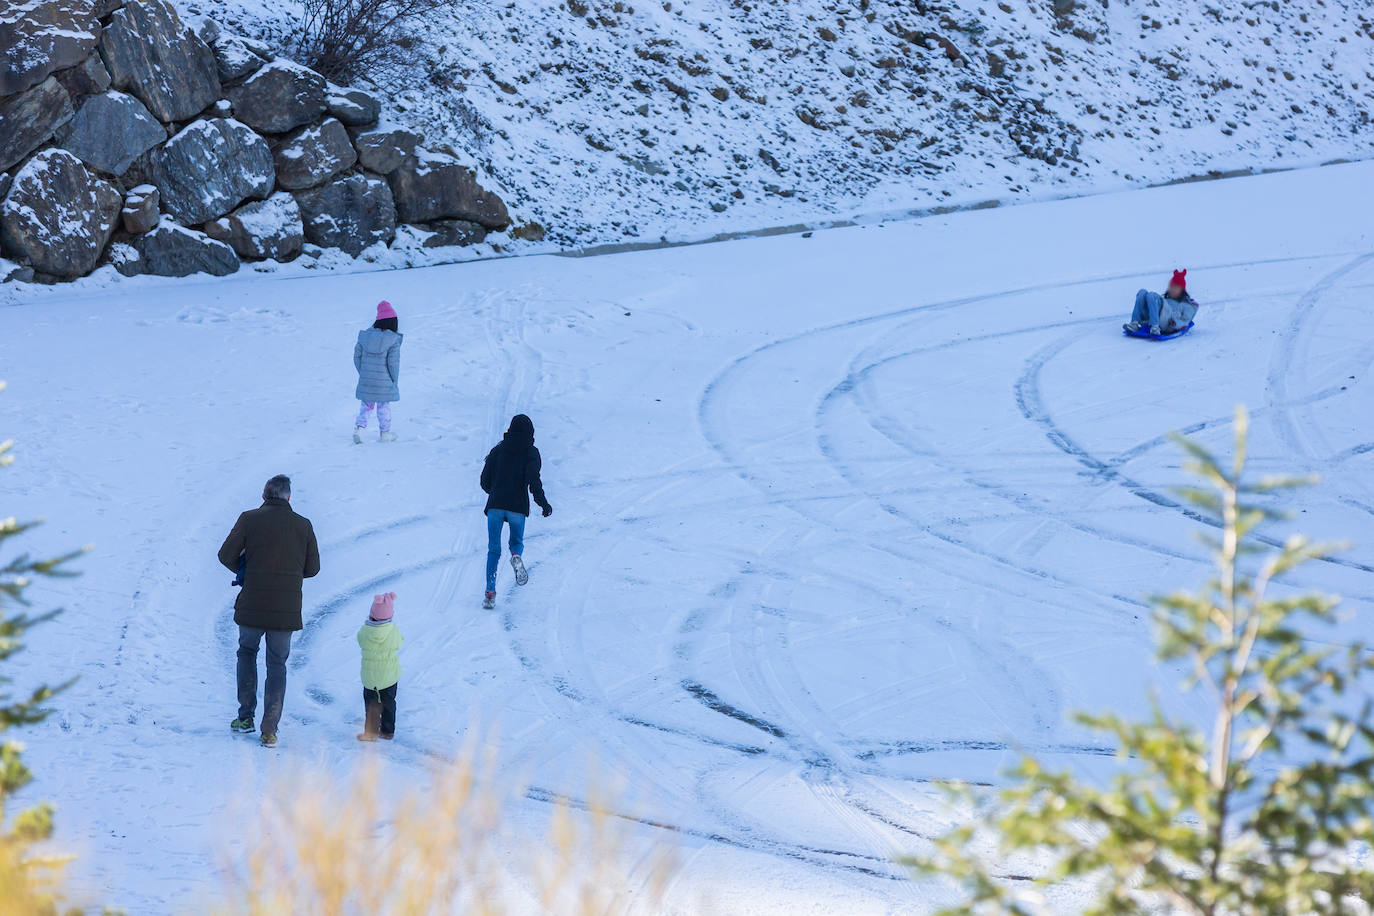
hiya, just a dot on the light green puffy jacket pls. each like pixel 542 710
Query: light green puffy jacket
pixel 380 644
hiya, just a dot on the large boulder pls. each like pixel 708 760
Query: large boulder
pixel 434 186
pixel 86 78
pixel 150 52
pixel 28 119
pixel 170 250
pixel 353 106
pixel 349 213
pixel 313 155
pixel 385 151
pixel 110 131
pixel 268 228
pixel 57 215
pixel 40 37
pixel 209 168
pixel 234 58
pixel 279 97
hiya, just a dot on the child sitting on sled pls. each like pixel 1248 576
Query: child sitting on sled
pixel 1164 314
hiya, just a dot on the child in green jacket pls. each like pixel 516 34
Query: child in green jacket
pixel 381 643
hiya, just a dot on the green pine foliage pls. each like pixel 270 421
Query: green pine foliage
pixel 1265 812
pixel 27 876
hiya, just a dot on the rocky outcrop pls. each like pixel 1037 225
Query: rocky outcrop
pixel 110 131
pixel 28 119
pixel 57 216
pixel 350 213
pixel 170 250
pixel 209 168
pixel 129 139
pixel 151 53
pixel 385 151
pixel 268 228
pixel 279 97
pixel 433 186
pixel 40 38
pixel 313 155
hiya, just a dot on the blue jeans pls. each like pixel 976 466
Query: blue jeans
pixel 274 693
pixel 1146 309
pixel 495 519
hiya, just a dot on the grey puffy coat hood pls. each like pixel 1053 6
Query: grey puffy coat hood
pixel 377 357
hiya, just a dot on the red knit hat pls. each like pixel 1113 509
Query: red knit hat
pixel 1180 278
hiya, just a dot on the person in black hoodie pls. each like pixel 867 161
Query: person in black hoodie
pixel 509 476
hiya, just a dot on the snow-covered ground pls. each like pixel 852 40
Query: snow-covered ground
pixel 608 120
pixel 836 516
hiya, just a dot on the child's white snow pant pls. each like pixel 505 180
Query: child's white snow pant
pixel 383 409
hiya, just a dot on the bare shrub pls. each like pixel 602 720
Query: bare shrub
pixel 446 846
pixel 343 39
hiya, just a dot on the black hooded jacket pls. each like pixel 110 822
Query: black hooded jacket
pixel 511 471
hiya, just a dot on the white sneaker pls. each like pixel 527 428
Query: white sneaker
pixel 357 436
pixel 388 436
pixel 1154 329
pixel 522 576
pixel 1132 326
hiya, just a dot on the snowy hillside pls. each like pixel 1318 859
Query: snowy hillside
pixel 836 516
pixel 607 120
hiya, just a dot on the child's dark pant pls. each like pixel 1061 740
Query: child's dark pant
pixel 384 701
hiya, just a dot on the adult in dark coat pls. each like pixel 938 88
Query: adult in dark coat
pixel 278 550
pixel 509 476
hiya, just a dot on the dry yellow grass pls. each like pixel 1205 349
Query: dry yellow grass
pixel 447 846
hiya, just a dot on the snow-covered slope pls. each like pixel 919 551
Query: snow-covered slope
pixel 835 516
pixel 608 120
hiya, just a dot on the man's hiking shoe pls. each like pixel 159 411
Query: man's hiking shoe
pixel 489 601
pixel 242 726
pixel 386 737
pixel 357 436
pixel 522 577
pixel 388 436
pixel 1131 327
pixel 269 740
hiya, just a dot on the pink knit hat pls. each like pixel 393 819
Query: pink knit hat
pixel 384 310
pixel 384 606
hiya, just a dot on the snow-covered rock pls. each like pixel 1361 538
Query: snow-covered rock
pixel 280 96
pixel 40 37
pixel 29 118
pixel 384 151
pixel 313 155
pixel 209 168
pixel 432 186
pixel 445 232
pixel 140 211
pixel 171 250
pixel 234 58
pixel 57 215
pixel 110 131
pixel 151 53
pixel 349 213
pixel 262 229
pixel 353 106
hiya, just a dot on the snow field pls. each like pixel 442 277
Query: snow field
pixel 835 517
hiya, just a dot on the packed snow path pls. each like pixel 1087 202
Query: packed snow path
pixel 835 516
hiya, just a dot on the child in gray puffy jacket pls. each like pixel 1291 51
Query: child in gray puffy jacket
pixel 377 357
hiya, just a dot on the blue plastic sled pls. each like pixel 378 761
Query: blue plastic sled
pixel 1144 333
